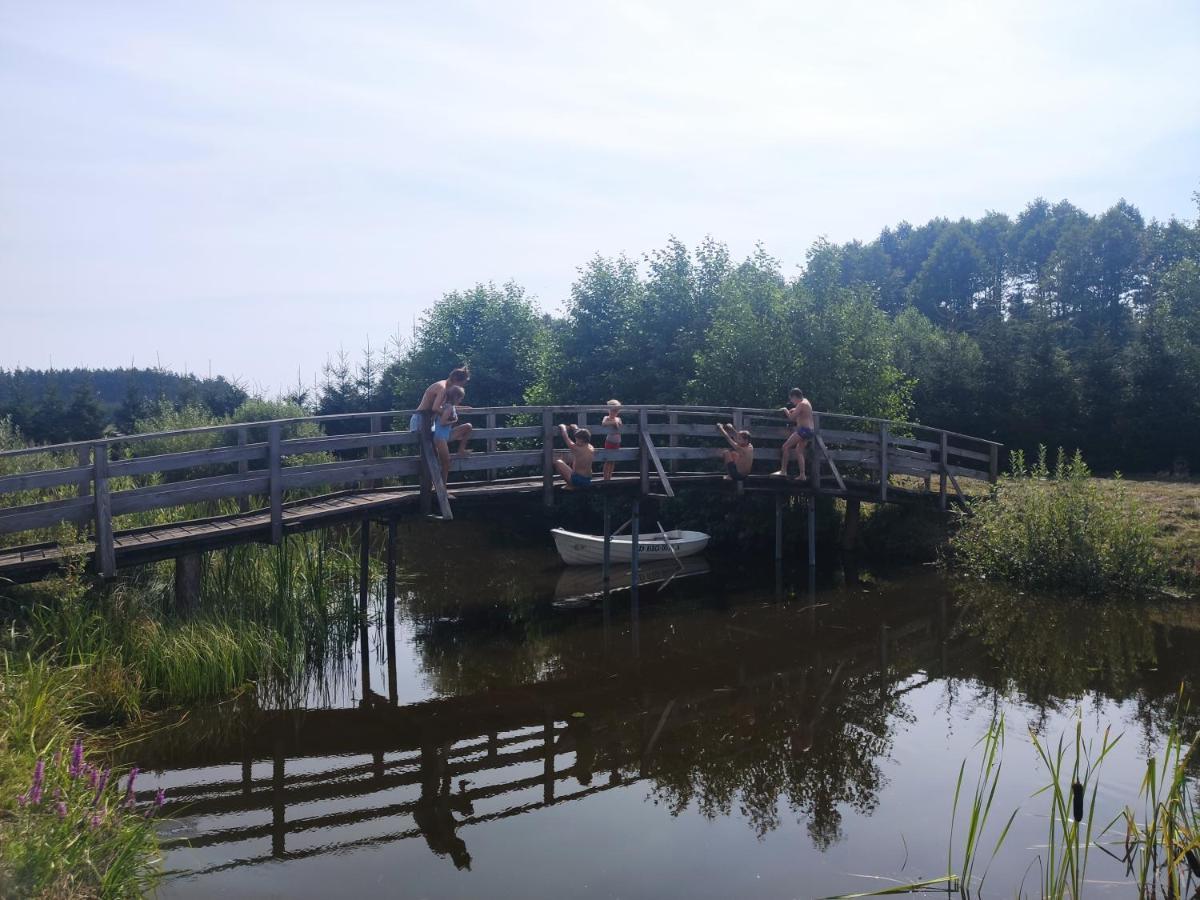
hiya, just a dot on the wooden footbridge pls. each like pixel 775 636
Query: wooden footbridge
pixel 127 500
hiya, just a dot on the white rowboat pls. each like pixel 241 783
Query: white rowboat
pixel 588 549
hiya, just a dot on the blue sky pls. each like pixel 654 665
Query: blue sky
pixel 251 185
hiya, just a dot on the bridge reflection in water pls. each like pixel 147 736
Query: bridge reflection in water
pixel 718 704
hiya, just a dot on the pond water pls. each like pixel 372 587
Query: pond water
pixel 737 731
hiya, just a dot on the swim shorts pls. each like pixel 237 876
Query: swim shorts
pixel 732 469
pixel 805 432
pixel 441 432
pixel 580 481
pixel 415 421
pixel 612 442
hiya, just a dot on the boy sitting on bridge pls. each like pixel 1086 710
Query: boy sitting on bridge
pixel 578 475
pixel 739 458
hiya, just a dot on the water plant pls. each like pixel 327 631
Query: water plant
pixel 1057 528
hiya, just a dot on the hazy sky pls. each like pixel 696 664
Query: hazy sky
pixel 249 185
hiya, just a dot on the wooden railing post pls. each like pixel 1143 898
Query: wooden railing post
pixel 814 468
pixel 425 461
pixel 491 443
pixel 993 463
pixel 942 473
pixel 739 420
pixel 643 456
pixel 275 467
pixel 548 457
pixel 883 462
pixel 243 468
pixel 106 553
pixel 376 425
pixel 84 456
pixel 673 441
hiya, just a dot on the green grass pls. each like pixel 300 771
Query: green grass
pixel 69 827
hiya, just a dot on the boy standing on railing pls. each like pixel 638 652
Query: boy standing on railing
pixel 578 475
pixel 799 414
pixel 434 399
pixel 739 458
pixel 612 440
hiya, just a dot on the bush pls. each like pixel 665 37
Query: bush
pixel 1060 529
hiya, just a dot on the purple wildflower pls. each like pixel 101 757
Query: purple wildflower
pixel 39 775
pixel 61 809
pixel 133 774
pixel 76 758
pixel 103 783
pixel 160 798
pixel 22 800
pixel 58 793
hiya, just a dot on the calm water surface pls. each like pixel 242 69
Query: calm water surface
pixel 733 733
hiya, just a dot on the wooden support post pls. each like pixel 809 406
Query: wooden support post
pixel 883 462
pixel 278 804
pixel 993 463
pixel 243 468
pixel 106 552
pixel 188 569
pixel 490 423
pixel 812 532
pixel 814 454
pixel 739 419
pixel 607 542
pixel 548 458
pixel 643 455
pixel 247 775
pixel 373 450
pixel 850 524
pixel 275 463
pixel 548 759
pixel 942 475
pixel 364 566
pixel 390 614
pixel 673 441
pixel 635 539
pixel 779 526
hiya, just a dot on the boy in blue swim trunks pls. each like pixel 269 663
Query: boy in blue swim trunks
pixel 578 475
pixel 446 428
pixel 799 414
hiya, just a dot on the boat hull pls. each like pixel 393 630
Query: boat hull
pixel 588 549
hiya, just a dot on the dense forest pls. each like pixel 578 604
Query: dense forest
pixel 1056 327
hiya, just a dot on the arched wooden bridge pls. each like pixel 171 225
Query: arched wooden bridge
pixel 133 499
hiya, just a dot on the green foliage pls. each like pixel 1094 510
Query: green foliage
pixel 1060 529
pixel 69 827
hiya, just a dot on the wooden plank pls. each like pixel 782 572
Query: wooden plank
pixel 548 458
pixel 673 437
pixel 993 463
pixel 373 450
pixel 76 510
pixel 84 457
pixel 275 484
pixel 106 558
pixel 349 471
pixel 837 476
pixel 648 447
pixel 337 442
pixel 178 493
pixel 47 478
pixel 188 459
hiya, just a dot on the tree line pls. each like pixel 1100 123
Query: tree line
pixel 1054 327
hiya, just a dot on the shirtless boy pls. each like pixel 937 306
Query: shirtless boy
pixel 739 458
pixel 431 405
pixel 578 475
pixel 612 440
pixel 799 414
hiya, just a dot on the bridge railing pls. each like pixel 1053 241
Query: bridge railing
pixel 130 481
